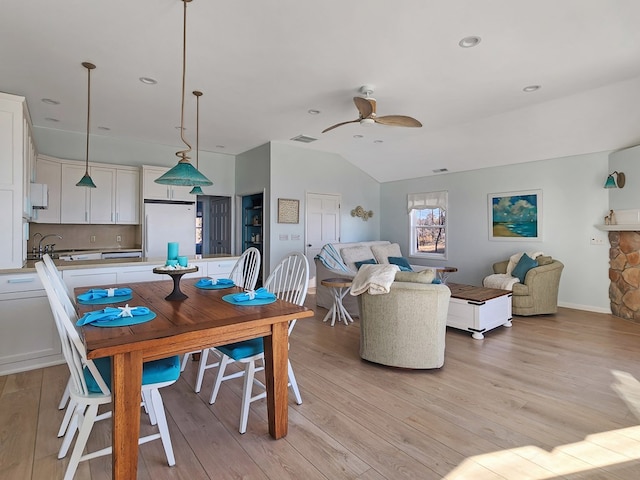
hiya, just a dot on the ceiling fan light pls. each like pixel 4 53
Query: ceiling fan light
pixel 366 122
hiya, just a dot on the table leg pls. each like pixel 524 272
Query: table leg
pixel 276 354
pixel 346 318
pixel 126 378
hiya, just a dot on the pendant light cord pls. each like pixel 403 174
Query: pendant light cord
pixel 183 153
pixel 89 67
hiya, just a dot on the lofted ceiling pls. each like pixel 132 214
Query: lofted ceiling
pixel 263 64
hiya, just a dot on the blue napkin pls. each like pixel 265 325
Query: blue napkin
pixel 95 293
pixel 261 293
pixel 207 282
pixel 111 313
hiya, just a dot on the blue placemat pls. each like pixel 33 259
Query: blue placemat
pixel 106 300
pixel 248 303
pixel 126 321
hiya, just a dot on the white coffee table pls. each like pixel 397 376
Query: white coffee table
pixel 478 309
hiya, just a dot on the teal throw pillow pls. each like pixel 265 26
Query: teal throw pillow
pixel 364 262
pixel 525 264
pixel 402 262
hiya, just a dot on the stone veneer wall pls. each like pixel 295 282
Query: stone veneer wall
pixel 624 274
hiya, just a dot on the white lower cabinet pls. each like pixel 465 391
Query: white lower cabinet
pixel 28 335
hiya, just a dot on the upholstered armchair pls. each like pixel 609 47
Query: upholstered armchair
pixel 405 327
pixel 538 294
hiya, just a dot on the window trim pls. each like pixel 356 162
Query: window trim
pixel 427 201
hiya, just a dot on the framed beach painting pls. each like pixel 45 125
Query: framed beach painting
pixel 515 216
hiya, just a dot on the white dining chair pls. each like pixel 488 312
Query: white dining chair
pixel 244 274
pixel 69 303
pixel 90 386
pixel 289 281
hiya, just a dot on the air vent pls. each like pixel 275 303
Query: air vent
pixel 440 170
pixel 304 139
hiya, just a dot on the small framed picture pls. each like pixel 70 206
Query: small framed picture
pixel 515 216
pixel 288 210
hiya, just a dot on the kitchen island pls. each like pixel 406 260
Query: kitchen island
pixel 28 337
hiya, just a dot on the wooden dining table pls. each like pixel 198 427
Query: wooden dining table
pixel 202 320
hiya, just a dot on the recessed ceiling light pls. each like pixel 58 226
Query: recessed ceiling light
pixel 468 42
pixel 358 136
pixel 440 170
pixel 50 101
pixel 313 112
pixel 51 119
pixel 148 80
pixel 179 127
pixel 531 88
pixel 220 146
pixel 378 141
pixel 104 128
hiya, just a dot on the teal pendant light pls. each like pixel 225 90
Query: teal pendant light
pixel 197 190
pixel 184 174
pixel 86 180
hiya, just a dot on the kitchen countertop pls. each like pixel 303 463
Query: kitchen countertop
pixel 77 264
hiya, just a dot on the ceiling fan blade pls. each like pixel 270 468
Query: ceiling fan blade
pixel 340 124
pixel 398 121
pixel 366 106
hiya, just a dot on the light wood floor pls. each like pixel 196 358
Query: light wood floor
pixel 553 397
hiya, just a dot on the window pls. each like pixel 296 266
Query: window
pixel 428 212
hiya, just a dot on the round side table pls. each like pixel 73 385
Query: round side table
pixel 339 288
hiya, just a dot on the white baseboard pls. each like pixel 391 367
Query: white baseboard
pixel 588 308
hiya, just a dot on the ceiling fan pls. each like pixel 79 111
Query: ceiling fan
pixel 367 108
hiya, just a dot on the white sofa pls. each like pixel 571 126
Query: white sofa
pixel 337 260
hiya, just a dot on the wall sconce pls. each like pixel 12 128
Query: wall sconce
pixel 617 182
pixel 362 213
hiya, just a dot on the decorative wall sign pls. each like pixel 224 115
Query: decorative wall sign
pixel 288 210
pixel 515 216
pixel 362 213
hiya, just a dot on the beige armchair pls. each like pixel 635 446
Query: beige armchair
pixel 538 294
pixel 405 327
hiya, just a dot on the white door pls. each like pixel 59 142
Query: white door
pixel 322 226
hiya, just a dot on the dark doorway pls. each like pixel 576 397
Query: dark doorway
pixel 216 224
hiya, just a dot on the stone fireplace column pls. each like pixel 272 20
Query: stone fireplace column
pixel 624 274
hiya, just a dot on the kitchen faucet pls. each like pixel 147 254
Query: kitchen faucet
pixel 48 248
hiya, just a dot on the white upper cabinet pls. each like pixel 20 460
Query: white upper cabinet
pixel 155 191
pixel 16 150
pixel 116 198
pixel 128 196
pixel 74 201
pixel 102 199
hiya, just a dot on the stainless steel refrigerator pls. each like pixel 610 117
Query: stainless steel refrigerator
pixel 169 221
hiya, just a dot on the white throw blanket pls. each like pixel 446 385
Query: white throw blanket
pixel 501 281
pixel 377 279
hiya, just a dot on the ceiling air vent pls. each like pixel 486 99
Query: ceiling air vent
pixel 304 139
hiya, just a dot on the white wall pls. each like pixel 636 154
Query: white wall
pixel 296 171
pixel 574 200
pixel 219 168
